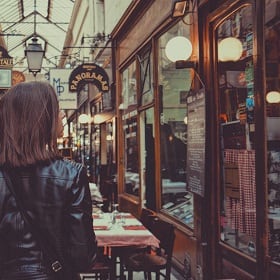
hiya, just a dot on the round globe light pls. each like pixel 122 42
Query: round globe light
pixel 84 118
pixel 273 97
pixel 178 48
pixel 230 49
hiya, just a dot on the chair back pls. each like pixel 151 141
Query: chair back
pixel 147 217
pixel 165 233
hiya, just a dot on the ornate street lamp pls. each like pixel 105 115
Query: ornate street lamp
pixel 34 55
pixel 34 52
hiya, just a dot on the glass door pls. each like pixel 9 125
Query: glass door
pixel 235 84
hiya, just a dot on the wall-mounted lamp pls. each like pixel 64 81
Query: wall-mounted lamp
pixel 102 117
pixel 273 97
pixel 230 49
pixel 84 118
pixel 179 50
pixel 179 8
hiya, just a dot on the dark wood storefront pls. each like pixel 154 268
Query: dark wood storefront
pixel 224 225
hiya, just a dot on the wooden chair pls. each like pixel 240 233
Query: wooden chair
pixel 154 261
pixel 146 218
pixel 101 270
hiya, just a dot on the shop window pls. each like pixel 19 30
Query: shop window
pixel 174 86
pixel 129 121
pixel 237 126
pixel 272 46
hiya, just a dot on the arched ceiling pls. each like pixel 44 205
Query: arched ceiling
pixel 20 20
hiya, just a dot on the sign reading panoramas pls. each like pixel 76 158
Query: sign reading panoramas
pixel 59 80
pixel 88 73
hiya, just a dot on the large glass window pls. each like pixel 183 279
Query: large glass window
pixel 129 120
pixel 237 126
pixel 147 152
pixel 272 46
pixel 174 85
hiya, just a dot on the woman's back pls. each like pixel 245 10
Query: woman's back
pixel 56 195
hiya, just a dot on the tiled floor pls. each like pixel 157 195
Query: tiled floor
pixel 174 276
pixel 140 276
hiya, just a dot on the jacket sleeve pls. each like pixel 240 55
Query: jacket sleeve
pixel 82 245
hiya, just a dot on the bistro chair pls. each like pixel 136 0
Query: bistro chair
pixel 158 259
pixel 146 218
pixel 101 270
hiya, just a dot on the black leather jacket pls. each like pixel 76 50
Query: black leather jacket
pixel 57 196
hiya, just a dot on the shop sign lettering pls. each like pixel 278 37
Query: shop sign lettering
pixel 88 73
pixel 5 60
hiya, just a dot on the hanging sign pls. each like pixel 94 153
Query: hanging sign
pixel 196 141
pixel 6 61
pixel 88 73
pixel 59 80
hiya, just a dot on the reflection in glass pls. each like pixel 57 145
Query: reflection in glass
pixel 237 125
pixel 174 85
pixel 272 46
pixel 147 120
pixel 131 155
pixel 129 120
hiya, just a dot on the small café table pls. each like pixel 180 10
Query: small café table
pixel 126 231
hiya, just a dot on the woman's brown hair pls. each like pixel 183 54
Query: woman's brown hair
pixel 28 124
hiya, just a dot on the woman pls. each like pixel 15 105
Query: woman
pixel 54 192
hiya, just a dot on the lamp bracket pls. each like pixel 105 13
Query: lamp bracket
pixel 183 64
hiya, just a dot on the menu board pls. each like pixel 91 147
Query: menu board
pixel 196 141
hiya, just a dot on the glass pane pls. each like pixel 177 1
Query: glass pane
pixel 131 153
pixel 236 100
pixel 129 87
pixel 148 154
pixel 174 85
pixel 272 46
pixel 146 90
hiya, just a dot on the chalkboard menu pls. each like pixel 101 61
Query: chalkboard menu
pixel 196 141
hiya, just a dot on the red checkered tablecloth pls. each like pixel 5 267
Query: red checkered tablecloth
pixel 241 213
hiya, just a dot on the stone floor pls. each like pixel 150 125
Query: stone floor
pixel 140 276
pixel 174 276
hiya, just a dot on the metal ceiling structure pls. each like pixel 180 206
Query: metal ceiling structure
pixel 21 20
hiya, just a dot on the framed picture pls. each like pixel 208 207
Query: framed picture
pixel 5 78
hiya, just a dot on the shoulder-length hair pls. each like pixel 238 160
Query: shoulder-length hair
pixel 28 124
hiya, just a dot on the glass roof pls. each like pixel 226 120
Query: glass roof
pixel 21 19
